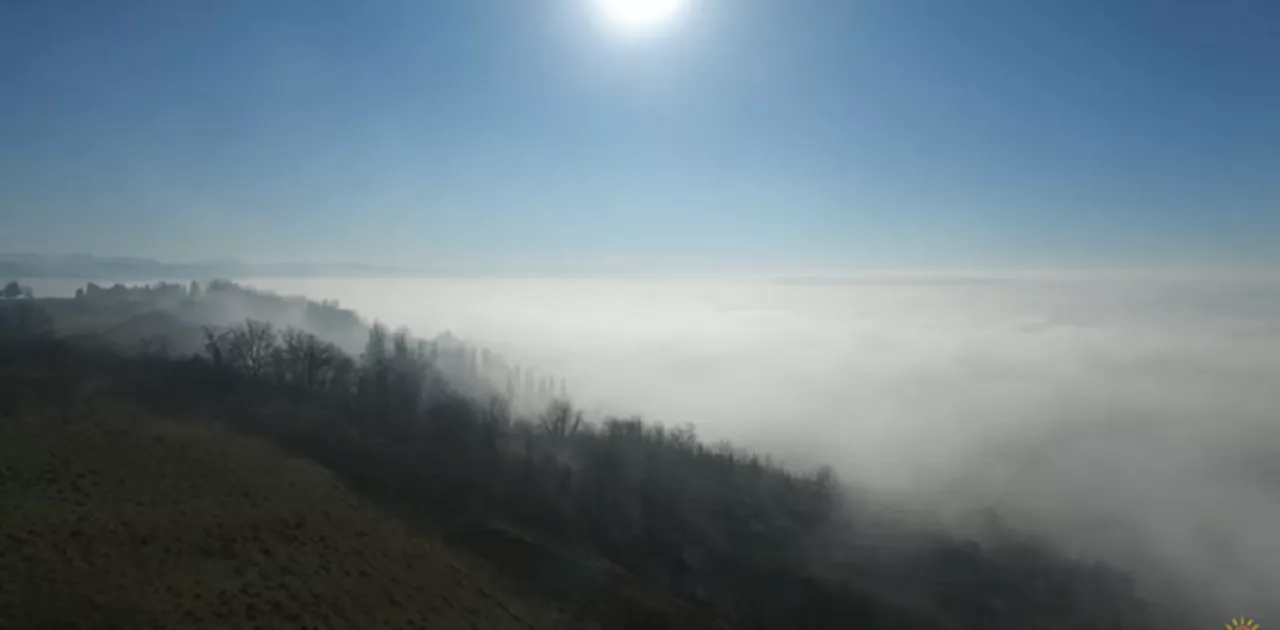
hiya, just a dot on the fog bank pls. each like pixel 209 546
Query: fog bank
pixel 1132 418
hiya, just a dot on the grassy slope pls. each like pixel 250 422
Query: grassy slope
pixel 113 517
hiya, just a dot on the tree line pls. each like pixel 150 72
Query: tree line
pixel 476 370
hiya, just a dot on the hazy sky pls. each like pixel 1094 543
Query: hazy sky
pixel 492 135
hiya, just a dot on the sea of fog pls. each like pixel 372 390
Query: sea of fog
pixel 1133 418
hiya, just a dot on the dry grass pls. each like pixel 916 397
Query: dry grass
pixel 111 517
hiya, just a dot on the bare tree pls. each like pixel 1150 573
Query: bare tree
pixel 247 348
pixel 251 346
pixel 215 342
pixel 305 360
pixel 560 420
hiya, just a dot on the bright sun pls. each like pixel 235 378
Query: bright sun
pixel 639 16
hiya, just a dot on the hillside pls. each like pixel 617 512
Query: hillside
pixel 115 517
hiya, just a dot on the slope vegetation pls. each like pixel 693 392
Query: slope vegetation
pixel 118 518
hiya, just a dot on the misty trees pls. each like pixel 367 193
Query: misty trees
pixel 408 372
pixel 395 374
pixel 252 345
pixel 560 420
pixel 217 285
pixel 117 292
pixel 247 348
pixel 389 381
pixel 292 357
pixel 305 361
pixel 375 376
pixel 13 290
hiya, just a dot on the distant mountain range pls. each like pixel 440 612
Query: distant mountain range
pixel 23 265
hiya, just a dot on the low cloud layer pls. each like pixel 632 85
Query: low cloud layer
pixel 1133 419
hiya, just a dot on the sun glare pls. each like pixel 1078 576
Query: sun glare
pixel 639 16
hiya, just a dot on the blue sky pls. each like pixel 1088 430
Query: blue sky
pixel 759 135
